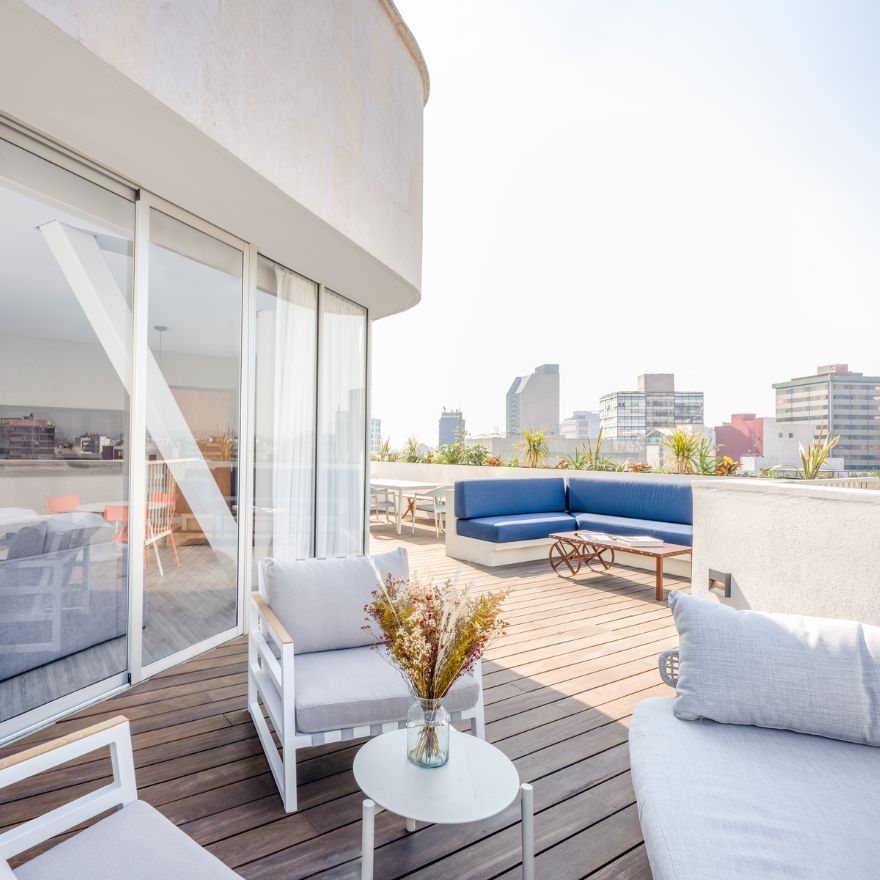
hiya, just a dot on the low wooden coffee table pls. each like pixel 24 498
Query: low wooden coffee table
pixel 572 549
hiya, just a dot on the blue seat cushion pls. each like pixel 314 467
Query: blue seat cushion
pixel 668 501
pixel 673 533
pixel 516 526
pixel 479 498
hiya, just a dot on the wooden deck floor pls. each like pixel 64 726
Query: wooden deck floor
pixel 560 689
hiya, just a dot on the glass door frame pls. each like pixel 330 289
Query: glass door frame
pixel 49 151
pixel 147 201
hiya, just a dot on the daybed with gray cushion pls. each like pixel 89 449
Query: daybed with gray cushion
pixel 766 763
pixel 319 674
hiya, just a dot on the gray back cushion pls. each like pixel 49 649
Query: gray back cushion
pixel 321 602
pixel 806 674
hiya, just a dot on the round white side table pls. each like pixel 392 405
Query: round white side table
pixel 477 782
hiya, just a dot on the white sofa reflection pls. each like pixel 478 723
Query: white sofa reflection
pixel 62 589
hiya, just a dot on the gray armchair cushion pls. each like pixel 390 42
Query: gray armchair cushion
pixel 321 601
pixel 728 802
pixel 137 843
pixel 339 689
pixel 806 674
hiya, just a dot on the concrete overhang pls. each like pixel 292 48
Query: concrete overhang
pixel 58 88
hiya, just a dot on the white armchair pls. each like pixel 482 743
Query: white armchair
pixel 136 842
pixel 313 667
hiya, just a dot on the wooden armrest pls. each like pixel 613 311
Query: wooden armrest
pixel 61 742
pixel 272 621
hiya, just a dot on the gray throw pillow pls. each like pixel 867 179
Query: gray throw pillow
pixel 807 674
pixel 320 602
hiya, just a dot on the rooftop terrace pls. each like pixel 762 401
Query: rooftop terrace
pixel 560 689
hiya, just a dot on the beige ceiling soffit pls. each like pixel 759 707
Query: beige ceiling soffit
pixel 410 42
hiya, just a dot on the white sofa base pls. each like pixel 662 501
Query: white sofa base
pixel 492 555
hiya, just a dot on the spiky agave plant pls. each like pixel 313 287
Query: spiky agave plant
pixel 813 457
pixel 685 448
pixel 411 452
pixel 706 460
pixel 534 447
pixel 386 453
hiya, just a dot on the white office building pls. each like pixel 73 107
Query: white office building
pixel 533 401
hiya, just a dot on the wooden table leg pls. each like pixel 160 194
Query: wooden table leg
pixel 658 594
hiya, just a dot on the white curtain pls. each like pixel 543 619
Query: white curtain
pixel 342 429
pixel 293 425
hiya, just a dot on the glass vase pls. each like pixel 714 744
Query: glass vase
pixel 427 733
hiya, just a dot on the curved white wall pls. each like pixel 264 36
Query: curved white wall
pixel 322 101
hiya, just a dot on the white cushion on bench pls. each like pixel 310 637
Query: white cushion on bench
pixel 731 802
pixel 136 843
pixel 358 686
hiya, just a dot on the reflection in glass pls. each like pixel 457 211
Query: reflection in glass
pixel 284 447
pixel 342 427
pixel 193 379
pixel 65 366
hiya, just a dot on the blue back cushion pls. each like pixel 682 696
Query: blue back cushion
pixel 503 497
pixel 661 500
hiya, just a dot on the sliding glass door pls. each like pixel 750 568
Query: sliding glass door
pixel 193 406
pixel 134 459
pixel 65 372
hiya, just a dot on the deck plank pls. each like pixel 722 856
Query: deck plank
pixel 560 689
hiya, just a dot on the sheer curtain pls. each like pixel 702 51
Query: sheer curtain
pixel 342 430
pixel 285 414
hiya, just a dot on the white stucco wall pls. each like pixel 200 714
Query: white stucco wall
pixel 323 99
pixel 449 473
pixel 791 548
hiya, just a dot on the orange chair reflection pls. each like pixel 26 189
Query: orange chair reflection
pixel 62 503
pixel 161 510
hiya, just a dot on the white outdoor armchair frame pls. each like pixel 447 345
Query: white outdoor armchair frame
pixel 271 678
pixel 113 733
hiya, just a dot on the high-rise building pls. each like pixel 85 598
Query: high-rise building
pixel 836 401
pixel 27 437
pixel 581 425
pixel 451 427
pixel 375 435
pixel 533 401
pixel 630 414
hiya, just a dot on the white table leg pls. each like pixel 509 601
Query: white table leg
pixel 410 825
pixel 368 840
pixel 399 506
pixel 528 831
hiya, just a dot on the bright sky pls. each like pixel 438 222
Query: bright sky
pixel 627 187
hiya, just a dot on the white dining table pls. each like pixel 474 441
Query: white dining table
pixel 399 487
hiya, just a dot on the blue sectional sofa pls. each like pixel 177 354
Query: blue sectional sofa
pixel 497 522
pixel 635 506
pixel 502 511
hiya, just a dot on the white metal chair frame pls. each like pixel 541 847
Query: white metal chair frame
pixel 271 682
pixel 381 500
pixel 113 733
pixel 434 501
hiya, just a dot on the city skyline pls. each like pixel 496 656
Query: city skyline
pixel 667 209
